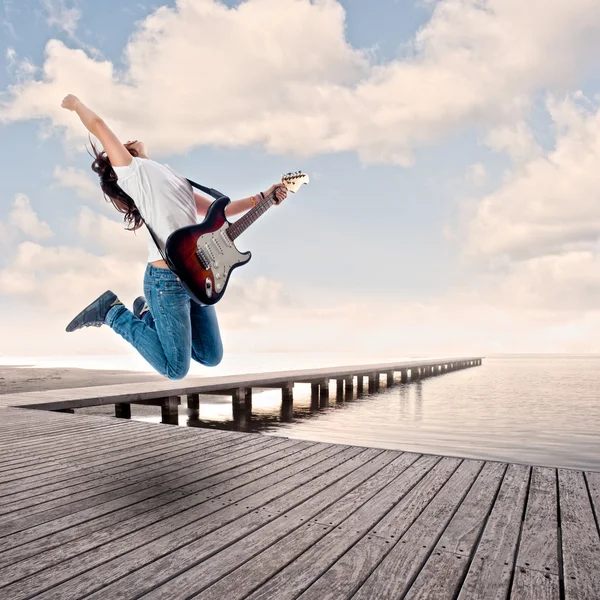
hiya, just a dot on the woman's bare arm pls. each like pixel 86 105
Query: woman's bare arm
pixel 236 207
pixel 117 153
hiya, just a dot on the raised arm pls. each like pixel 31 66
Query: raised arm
pixel 117 153
pixel 237 207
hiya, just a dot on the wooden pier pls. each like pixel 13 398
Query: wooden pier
pixel 106 509
pixel 168 394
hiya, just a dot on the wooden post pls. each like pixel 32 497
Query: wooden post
pixel 170 410
pixel 377 381
pixel 287 403
pixel 123 410
pixel 372 383
pixel 339 389
pixel 242 407
pixel 414 373
pixel 360 382
pixel 314 396
pixel 403 375
pixel 193 407
pixel 324 393
pixel 390 378
pixel 349 386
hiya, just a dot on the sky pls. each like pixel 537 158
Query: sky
pixel 453 148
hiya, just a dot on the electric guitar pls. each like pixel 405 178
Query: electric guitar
pixel 204 255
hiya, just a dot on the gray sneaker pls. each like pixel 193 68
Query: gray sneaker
pixel 140 307
pixel 95 314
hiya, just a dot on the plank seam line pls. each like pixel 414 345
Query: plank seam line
pixel 520 534
pixel 110 477
pixel 106 448
pixel 117 509
pixel 561 566
pixel 478 541
pixel 212 531
pixel 78 472
pixel 435 542
pixel 152 471
pixel 392 546
pixel 319 523
pixel 357 541
pixel 173 500
pixel 587 486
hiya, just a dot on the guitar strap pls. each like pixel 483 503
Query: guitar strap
pixel 211 192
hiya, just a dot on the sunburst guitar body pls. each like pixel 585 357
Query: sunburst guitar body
pixel 203 256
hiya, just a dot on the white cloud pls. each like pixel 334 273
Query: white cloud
pixel 476 175
pixel 21 69
pixel 78 180
pixel 64 279
pixel 550 204
pixel 111 236
pixel 60 14
pixel 308 91
pixel 516 140
pixel 536 238
pixel 23 218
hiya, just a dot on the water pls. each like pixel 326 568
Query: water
pixel 533 410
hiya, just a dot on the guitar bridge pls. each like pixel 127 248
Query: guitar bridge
pixel 203 258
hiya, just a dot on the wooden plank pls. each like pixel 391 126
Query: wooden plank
pixel 371 478
pixel 580 540
pixel 89 496
pixel 593 482
pixel 15 522
pixel 64 446
pixel 64 472
pixel 117 470
pixel 179 453
pixel 93 570
pixel 306 553
pixel 104 453
pixel 69 520
pixel 393 576
pixel 95 532
pixel 286 465
pixel 343 578
pixel 491 569
pixel 538 549
pixel 444 571
pixel 534 585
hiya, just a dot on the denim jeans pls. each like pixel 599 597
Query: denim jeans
pixel 174 330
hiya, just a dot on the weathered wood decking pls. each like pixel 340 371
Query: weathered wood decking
pixel 114 509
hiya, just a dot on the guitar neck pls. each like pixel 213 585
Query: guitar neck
pixel 252 215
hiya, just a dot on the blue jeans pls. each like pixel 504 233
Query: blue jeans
pixel 174 330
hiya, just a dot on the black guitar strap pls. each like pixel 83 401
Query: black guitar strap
pixel 211 192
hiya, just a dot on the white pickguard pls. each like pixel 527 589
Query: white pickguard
pixel 221 255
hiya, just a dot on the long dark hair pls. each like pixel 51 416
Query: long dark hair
pixel 112 190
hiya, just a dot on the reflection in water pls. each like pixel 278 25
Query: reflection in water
pixel 528 410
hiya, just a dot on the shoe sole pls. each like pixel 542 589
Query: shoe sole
pixel 69 328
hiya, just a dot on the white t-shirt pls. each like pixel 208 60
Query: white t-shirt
pixel 164 198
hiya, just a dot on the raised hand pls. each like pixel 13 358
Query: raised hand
pixel 280 192
pixel 70 102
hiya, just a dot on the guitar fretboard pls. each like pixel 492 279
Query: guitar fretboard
pixel 237 228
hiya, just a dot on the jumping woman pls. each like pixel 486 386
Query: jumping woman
pixel 166 326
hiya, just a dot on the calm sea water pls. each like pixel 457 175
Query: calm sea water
pixel 534 410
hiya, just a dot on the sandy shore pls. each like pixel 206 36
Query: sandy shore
pixel 27 379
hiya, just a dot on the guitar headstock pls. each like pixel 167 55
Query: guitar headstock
pixel 293 181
